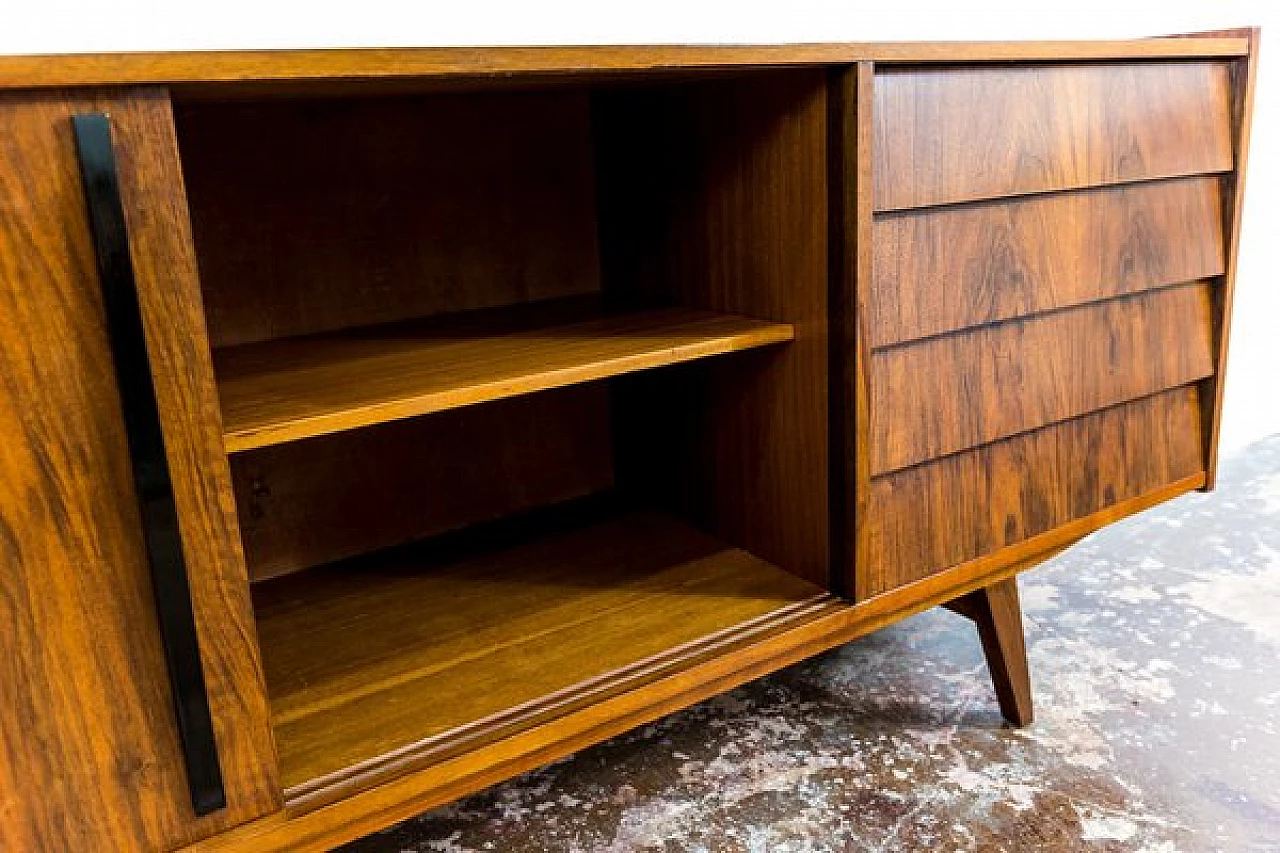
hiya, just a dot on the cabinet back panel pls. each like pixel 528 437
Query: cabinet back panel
pixel 945 135
pixel 316 215
pixel 311 502
pixel 941 269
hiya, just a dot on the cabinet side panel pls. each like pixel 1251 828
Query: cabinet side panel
pixel 1243 79
pixel 89 755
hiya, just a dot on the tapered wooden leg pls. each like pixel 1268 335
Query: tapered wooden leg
pixel 998 614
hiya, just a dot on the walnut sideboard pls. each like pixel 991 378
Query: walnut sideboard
pixel 376 425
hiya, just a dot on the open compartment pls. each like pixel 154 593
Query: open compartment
pixel 524 391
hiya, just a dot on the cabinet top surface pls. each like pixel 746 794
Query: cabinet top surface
pixel 364 64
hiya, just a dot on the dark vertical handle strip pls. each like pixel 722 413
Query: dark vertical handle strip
pixel 150 465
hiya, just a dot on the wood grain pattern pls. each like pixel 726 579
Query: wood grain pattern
pixel 89 755
pixel 932 516
pixel 297 388
pixel 311 502
pixel 997 612
pixel 372 210
pixel 320 829
pixel 714 195
pixel 957 134
pixel 443 646
pixel 942 269
pixel 949 394
pixel 370 65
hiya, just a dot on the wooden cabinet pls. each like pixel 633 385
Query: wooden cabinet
pixel 500 401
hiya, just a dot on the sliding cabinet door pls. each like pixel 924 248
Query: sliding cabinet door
pixel 90 752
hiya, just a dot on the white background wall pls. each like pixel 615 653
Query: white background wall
pixel 1253 384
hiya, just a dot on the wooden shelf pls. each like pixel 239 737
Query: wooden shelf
pixel 296 388
pixel 387 664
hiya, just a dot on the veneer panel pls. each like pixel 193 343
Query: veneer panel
pixel 715 194
pixel 446 644
pixel 1243 75
pixel 948 511
pixel 311 502
pixel 946 135
pixel 942 269
pixel 947 394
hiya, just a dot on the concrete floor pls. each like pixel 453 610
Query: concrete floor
pixel 1155 654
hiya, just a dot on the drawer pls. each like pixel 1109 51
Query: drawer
pixel 939 270
pixel 944 395
pixel 953 134
pixel 948 511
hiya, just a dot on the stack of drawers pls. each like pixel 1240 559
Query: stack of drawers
pixel 1041 320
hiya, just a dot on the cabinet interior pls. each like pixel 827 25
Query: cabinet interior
pixel 523 389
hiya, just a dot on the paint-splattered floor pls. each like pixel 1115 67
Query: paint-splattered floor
pixel 1155 654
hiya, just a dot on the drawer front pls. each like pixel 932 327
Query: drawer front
pixel 963 133
pixel 976 503
pixel 944 269
pixel 940 396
